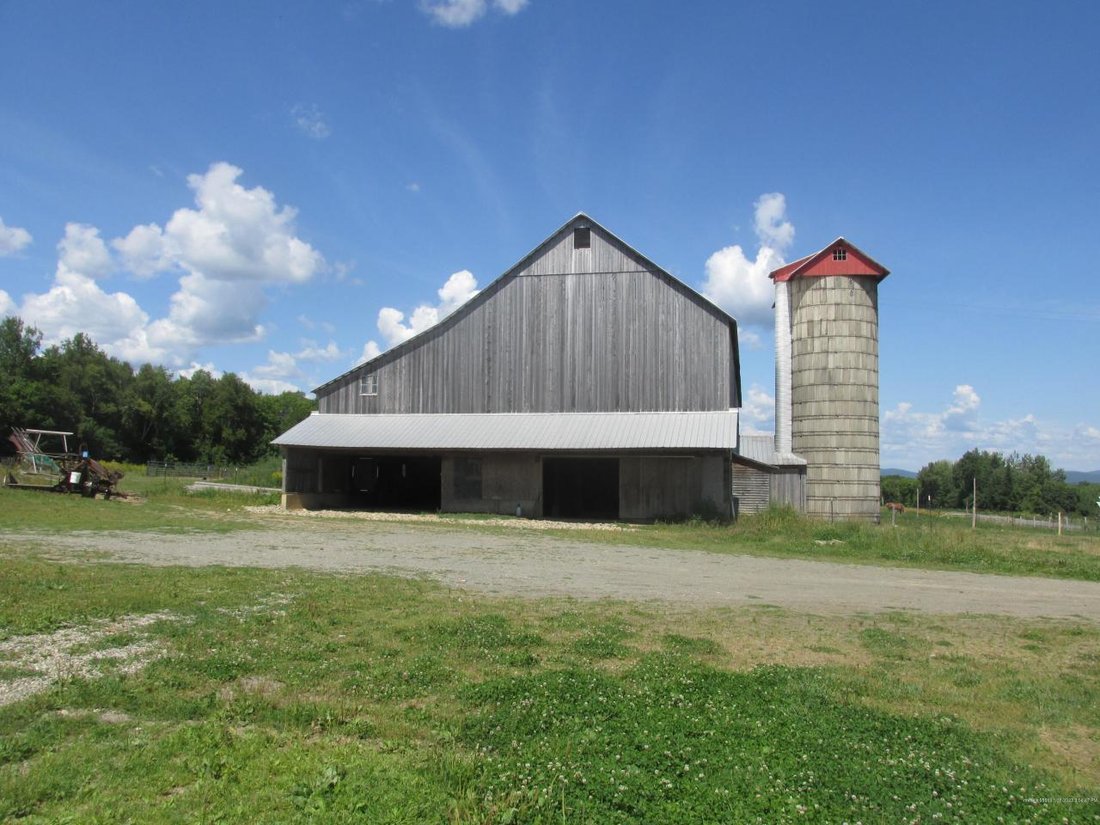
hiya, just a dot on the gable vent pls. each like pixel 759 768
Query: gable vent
pixel 582 237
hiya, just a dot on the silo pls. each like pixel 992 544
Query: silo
pixel 828 375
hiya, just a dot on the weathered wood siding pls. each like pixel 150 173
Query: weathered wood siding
pixel 788 487
pixel 656 487
pixel 580 330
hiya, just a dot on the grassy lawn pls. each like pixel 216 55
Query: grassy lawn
pixel 928 541
pixel 157 504
pixel 292 697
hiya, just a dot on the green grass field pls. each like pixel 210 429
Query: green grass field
pixel 288 696
pixel 927 541
pixel 154 504
pixel 293 697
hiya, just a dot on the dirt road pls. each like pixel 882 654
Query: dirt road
pixel 525 564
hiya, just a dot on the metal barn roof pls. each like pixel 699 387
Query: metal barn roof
pixel 518 431
pixel 761 449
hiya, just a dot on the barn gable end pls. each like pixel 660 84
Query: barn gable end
pixel 584 323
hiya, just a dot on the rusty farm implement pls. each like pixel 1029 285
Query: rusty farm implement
pixel 44 461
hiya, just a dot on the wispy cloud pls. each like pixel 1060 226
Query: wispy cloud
pixel 279 374
pixel 310 122
pixel 911 437
pixel 458 14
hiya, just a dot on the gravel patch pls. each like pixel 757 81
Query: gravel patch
pixel 432 518
pixel 75 652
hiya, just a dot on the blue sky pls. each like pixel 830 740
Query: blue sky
pixel 268 188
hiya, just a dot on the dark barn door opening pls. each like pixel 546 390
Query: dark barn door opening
pixel 580 488
pixel 398 482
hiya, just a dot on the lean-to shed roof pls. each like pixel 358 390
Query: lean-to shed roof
pixel 714 430
pixel 761 449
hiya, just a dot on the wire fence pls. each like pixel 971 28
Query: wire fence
pixel 173 469
pixel 1069 523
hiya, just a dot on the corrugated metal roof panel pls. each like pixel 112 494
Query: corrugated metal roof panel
pixel 519 431
pixel 761 449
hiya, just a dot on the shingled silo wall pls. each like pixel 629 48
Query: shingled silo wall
pixel 834 393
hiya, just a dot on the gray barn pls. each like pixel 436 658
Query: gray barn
pixel 585 382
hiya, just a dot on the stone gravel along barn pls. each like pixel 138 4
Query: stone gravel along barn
pixel 585 382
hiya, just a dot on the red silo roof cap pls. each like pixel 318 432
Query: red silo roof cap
pixel 838 258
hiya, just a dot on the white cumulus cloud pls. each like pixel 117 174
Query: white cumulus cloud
pixel 239 234
pixel 83 251
pixel 145 252
pixel 771 224
pixel 459 288
pixel 226 251
pixel 7 305
pixel 205 311
pixel 208 368
pixel 758 412
pixel 76 303
pixel 739 283
pixel 13 239
pixel 235 234
pixel 371 350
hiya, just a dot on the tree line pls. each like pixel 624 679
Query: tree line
pixel 123 414
pixel 1007 484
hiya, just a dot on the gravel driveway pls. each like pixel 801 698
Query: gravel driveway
pixel 519 563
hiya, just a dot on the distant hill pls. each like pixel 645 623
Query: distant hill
pixel 1076 476
pixel 894 471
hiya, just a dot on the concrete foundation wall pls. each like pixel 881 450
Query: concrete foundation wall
pixel 834 393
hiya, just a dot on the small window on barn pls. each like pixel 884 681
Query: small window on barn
pixel 582 237
pixel 368 384
pixel 840 254
pixel 467 479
